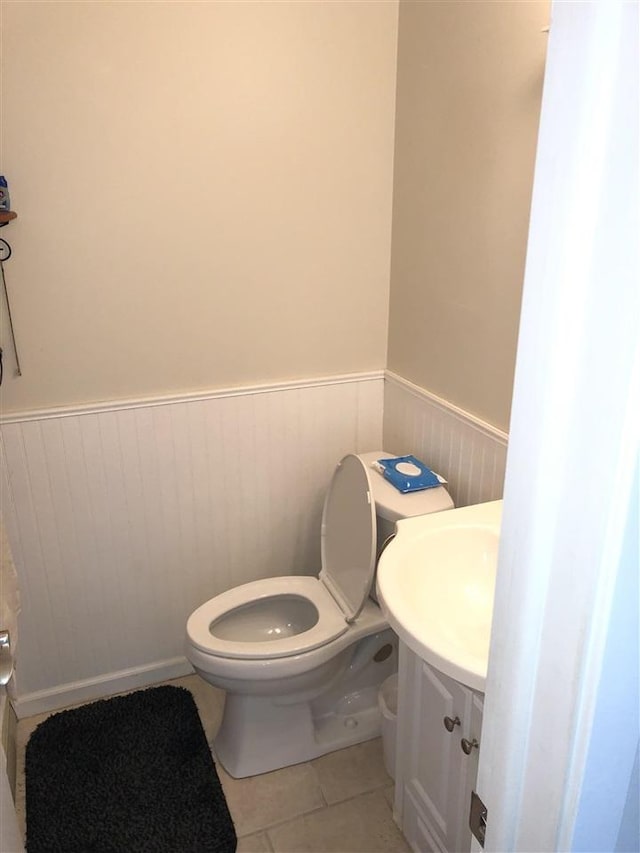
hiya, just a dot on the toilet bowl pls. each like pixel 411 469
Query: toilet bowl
pixel 302 658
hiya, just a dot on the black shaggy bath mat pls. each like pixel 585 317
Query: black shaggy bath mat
pixel 128 774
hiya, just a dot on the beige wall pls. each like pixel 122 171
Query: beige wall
pixel 468 100
pixel 204 194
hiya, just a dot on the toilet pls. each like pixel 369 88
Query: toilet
pixel 302 658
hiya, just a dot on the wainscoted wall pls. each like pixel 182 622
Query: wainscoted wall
pixel 124 518
pixel 468 452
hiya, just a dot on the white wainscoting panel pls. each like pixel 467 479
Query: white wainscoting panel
pixel 124 518
pixel 469 453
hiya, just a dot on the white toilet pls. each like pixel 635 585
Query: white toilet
pixel 302 658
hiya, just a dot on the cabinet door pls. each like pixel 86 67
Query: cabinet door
pixel 434 772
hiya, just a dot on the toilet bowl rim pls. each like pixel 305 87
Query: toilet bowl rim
pixel 331 621
pixel 239 670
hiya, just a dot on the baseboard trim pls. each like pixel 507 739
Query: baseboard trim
pixel 75 692
pixel 446 406
pixel 190 397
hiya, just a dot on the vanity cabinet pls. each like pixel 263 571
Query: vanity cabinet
pixel 434 775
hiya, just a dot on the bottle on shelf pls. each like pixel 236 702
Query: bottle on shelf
pixel 5 204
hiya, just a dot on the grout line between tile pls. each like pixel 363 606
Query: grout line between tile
pixel 280 823
pixel 269 842
pixel 319 783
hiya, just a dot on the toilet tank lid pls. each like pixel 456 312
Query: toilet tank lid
pixel 394 505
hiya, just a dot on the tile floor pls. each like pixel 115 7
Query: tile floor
pixel 339 803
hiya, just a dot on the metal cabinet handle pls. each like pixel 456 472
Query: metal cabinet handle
pixel 468 745
pixel 450 723
pixel 6 659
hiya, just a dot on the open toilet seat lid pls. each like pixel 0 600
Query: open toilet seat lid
pixel 349 536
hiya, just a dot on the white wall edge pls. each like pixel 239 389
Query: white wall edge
pixel 566 573
pixel 211 394
pixel 462 415
pixel 110 684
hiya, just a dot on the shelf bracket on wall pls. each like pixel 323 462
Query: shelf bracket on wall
pixel 5 254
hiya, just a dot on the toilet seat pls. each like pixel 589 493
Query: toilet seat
pixel 328 604
pixel 330 623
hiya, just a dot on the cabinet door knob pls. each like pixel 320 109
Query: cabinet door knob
pixel 468 745
pixel 450 724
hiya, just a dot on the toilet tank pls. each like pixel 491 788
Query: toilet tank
pixel 392 505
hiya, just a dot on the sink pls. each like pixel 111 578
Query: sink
pixel 435 585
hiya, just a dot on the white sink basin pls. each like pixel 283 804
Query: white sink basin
pixel 435 585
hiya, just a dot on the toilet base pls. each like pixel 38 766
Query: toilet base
pixel 261 733
pixel 264 736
